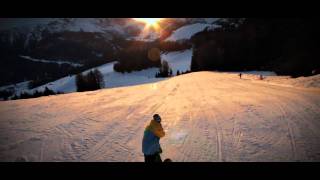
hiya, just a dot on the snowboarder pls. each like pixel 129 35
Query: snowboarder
pixel 261 77
pixel 240 75
pixel 150 144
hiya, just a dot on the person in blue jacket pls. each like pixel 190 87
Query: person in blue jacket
pixel 150 144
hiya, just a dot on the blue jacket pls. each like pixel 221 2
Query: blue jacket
pixel 151 138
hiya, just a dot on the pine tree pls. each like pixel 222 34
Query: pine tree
pixel 164 69
pixel 80 82
pixel 99 78
pixel 93 80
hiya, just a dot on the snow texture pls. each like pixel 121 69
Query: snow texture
pixel 207 116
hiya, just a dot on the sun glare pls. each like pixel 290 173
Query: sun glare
pixel 150 25
pixel 149 21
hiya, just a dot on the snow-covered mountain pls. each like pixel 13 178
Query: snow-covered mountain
pixel 186 32
pixel 207 116
pixel 35 32
pixel 79 41
pixel 55 38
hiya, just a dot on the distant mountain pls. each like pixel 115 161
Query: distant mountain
pixel 26 33
pixel 26 37
pixel 88 41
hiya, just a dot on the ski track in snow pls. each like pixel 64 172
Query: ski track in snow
pixel 207 116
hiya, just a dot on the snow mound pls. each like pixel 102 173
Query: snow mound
pixel 312 81
pixel 305 82
pixel 287 81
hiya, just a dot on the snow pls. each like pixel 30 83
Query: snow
pixel 264 73
pixel 10 23
pixel 52 61
pixel 286 81
pixel 307 82
pixel 33 28
pixel 211 20
pixel 207 116
pixel 111 79
pixel 178 60
pixel 16 87
pixel 75 25
pixel 186 32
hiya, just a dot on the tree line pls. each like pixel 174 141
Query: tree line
pixel 93 80
pixel 35 94
pixel 288 46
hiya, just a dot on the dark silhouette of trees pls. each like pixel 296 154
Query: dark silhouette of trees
pixel 35 94
pixel 5 94
pixel 164 70
pixel 135 56
pixel 174 46
pixel 287 46
pixel 93 80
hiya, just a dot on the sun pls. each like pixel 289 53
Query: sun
pixel 149 21
pixel 151 26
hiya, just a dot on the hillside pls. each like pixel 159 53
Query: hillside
pixel 180 60
pixel 207 116
pixel 187 31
